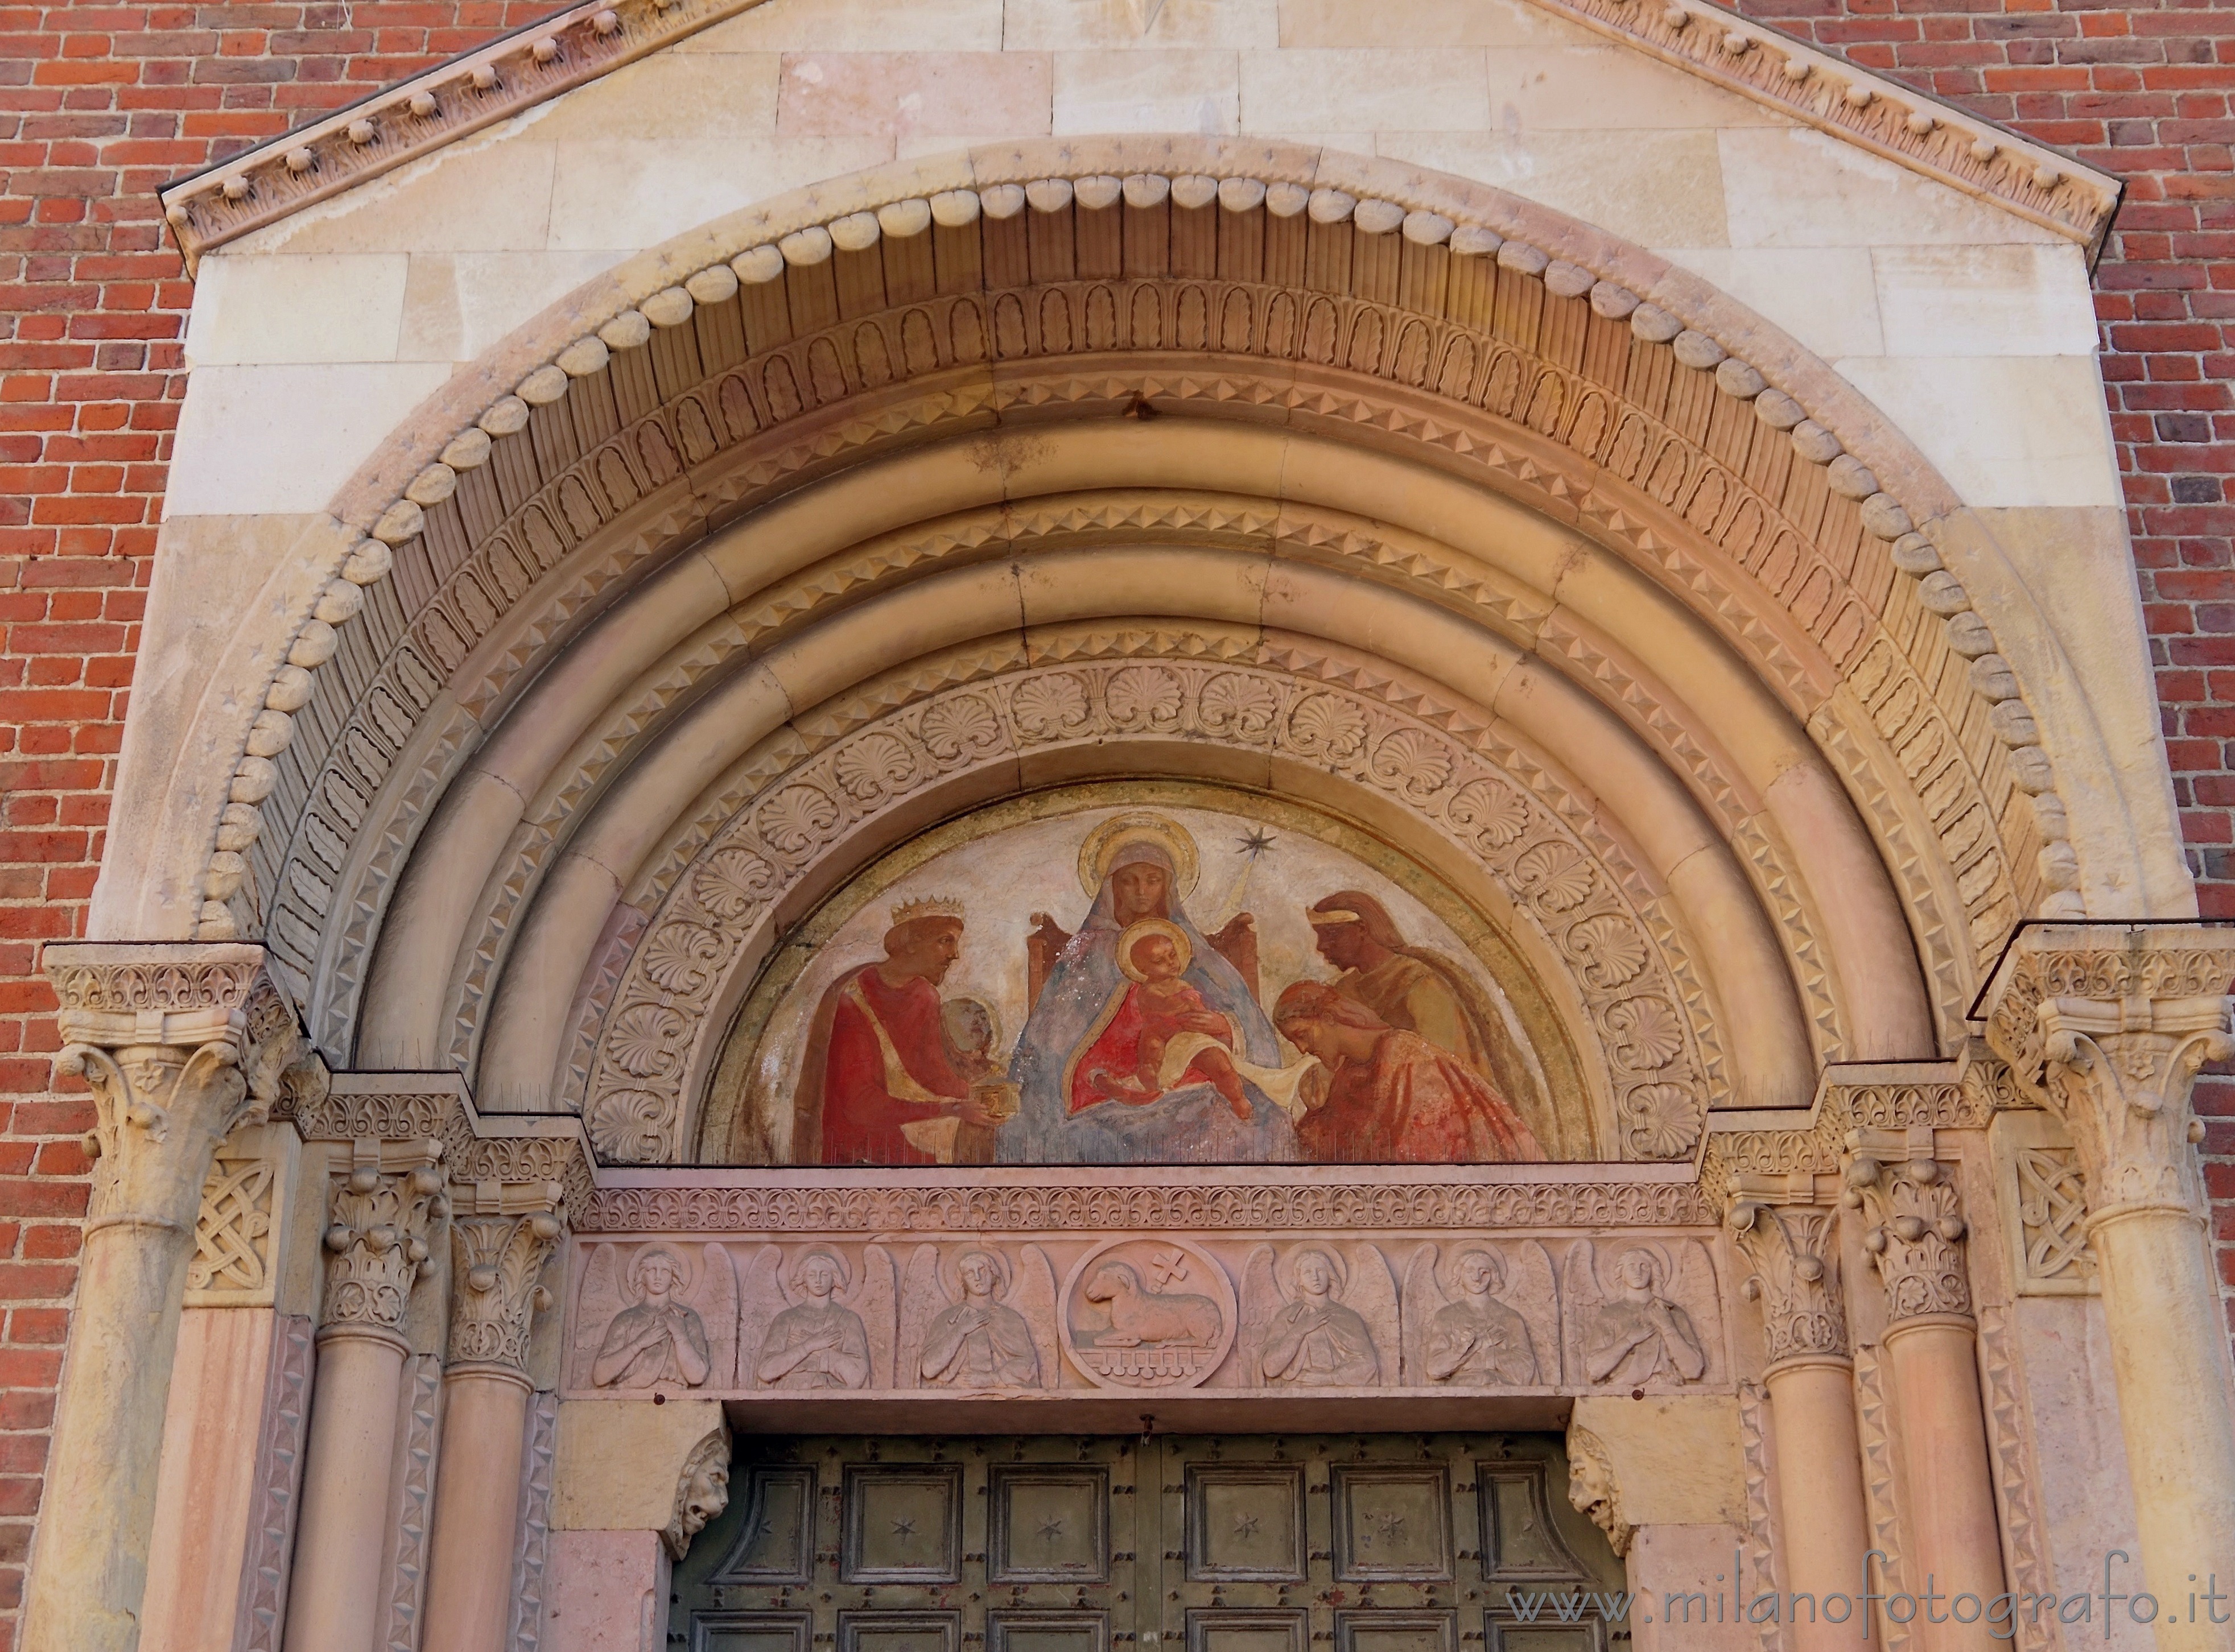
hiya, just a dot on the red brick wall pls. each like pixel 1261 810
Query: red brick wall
pixel 99 104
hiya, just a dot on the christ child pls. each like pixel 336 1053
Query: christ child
pixel 1163 1008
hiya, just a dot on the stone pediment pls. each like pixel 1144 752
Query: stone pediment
pixel 528 69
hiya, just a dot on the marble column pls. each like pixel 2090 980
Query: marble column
pixel 158 1032
pixel 1916 1242
pixel 383 1206
pixel 1786 1229
pixel 502 1234
pixel 2109 1026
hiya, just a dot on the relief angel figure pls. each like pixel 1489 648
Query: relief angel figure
pixel 978 1338
pixel 1467 1328
pixel 1628 1324
pixel 1300 1325
pixel 654 1335
pixel 810 1324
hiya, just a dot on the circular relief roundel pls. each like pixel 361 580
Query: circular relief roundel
pixel 1147 1313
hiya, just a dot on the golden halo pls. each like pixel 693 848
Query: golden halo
pixel 1146 926
pixel 1103 843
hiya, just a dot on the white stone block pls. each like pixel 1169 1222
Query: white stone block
pixel 284 438
pixel 1148 91
pixel 323 307
pixel 490 194
pixel 2004 429
pixel 729 95
pixel 1669 192
pixel 1824 297
pixel 1403 91
pixel 1999 300
pixel 847 25
pixel 1057 25
pixel 1598 85
pixel 1425 22
pixel 629 194
pixel 1793 186
pixel 457 305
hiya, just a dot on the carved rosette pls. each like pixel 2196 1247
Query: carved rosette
pixel 376 1240
pixel 1792 1247
pixel 157 1034
pixel 2110 1027
pixel 500 1237
pixel 1917 1231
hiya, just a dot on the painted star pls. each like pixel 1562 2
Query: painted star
pixel 1050 1530
pixel 1245 1525
pixel 1254 842
pixel 903 1528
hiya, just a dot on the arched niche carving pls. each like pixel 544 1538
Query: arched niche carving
pixel 1478 366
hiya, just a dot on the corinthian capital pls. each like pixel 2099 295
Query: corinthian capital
pixel 1788 1233
pixel 2109 1026
pixel 157 1031
pixel 502 1233
pixel 376 1238
pixel 1917 1231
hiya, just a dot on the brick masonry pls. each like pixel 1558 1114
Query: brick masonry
pixel 99 104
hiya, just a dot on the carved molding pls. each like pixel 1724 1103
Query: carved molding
pixel 596 446
pixel 702 1491
pixel 793 799
pixel 420 114
pixel 1755 1447
pixel 244 1205
pixel 1916 1215
pixel 530 1562
pixel 2009 1434
pixel 1792 1243
pixel 902 1207
pixel 1876 1429
pixel 412 1499
pixel 2110 1026
pixel 262 1606
pixel 1592 1489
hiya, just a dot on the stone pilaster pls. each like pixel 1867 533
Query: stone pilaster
pixel 502 1236
pixel 2108 1024
pixel 1787 1228
pixel 158 1032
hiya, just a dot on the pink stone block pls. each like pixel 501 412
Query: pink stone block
pixel 608 1592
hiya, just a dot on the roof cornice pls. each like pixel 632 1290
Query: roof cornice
pixel 518 71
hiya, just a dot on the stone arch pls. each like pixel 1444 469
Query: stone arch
pixel 1677 545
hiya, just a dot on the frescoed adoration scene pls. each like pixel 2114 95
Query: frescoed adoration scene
pixel 1144 985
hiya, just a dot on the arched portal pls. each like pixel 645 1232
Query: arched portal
pixel 1570 541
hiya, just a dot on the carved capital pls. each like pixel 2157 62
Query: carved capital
pixel 1917 1231
pixel 157 1031
pixel 702 1491
pixel 1592 1490
pixel 2109 1027
pixel 1788 1234
pixel 502 1234
pixel 382 1210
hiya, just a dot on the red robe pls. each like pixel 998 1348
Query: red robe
pixel 873 1085
pixel 1118 1049
pixel 1413 1104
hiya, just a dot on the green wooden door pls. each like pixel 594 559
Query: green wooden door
pixel 1350 1542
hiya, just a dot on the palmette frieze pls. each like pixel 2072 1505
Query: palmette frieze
pixel 1145 1314
pixel 881 1209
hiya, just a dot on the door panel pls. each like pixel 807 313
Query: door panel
pixel 1240 1544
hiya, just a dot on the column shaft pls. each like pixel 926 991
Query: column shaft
pixel 1943 1429
pixel 336 1596
pixel 476 1512
pixel 2167 1347
pixel 1824 1534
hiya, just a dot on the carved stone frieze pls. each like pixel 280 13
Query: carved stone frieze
pixel 1791 1242
pixel 779 1210
pixel 2111 1027
pixel 1916 1215
pixel 502 1234
pixel 1157 1315
pixel 795 798
pixel 2044 1195
pixel 380 1215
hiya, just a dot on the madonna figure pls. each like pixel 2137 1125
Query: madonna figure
pixel 1085 1027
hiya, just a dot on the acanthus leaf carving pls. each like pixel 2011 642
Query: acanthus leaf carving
pixel 1792 1249
pixel 1917 1227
